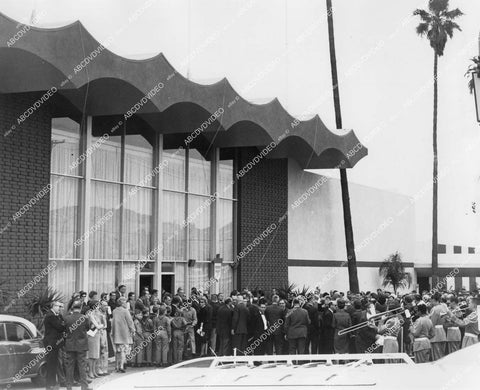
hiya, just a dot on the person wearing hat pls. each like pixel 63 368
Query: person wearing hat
pixel 422 330
pixel 438 316
pixel 454 337
pixel 76 345
pixel 390 329
pixel 470 323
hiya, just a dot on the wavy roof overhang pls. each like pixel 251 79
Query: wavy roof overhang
pixel 110 85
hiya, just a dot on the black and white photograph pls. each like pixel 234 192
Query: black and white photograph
pixel 239 194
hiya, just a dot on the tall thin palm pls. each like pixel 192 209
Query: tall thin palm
pixel 437 24
pixel 347 215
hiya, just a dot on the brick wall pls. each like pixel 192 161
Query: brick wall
pixel 24 171
pixel 263 200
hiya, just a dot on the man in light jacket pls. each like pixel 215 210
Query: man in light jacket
pixel 122 333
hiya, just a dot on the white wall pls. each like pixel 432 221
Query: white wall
pixel 383 223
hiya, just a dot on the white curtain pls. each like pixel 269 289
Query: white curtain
pixel 225 229
pixel 138 160
pixel 198 275
pixel 174 169
pixel 65 147
pixel 226 280
pixel 64 217
pixel 137 223
pixel 173 216
pixel 199 227
pixel 104 230
pixel 199 173
pixel 129 275
pixel 106 157
pixel 101 276
pixel 63 277
pixel 180 276
pixel 225 177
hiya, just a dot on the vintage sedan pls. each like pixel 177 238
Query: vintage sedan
pixel 307 372
pixel 21 351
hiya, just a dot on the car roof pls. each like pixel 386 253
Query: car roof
pixel 8 318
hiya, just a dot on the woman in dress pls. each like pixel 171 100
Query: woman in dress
pixel 96 325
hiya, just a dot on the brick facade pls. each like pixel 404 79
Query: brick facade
pixel 24 172
pixel 263 200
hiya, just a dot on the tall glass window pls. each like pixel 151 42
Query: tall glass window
pixel 66 182
pixel 110 209
pixel 121 208
pixel 225 218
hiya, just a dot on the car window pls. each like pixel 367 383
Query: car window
pixel 16 332
pixel 2 332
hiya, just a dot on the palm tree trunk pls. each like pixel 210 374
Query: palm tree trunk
pixel 435 175
pixel 347 216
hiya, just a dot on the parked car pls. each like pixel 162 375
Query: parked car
pixel 21 351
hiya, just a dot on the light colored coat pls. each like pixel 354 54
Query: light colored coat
pixel 122 326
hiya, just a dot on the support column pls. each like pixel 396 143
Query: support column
pixel 157 216
pixel 87 192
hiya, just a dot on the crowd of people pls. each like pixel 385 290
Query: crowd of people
pixel 154 330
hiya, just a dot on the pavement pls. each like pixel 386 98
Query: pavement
pixel 25 384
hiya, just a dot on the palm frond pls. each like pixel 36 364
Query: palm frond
pixel 450 27
pixel 453 14
pixel 286 290
pixel 473 68
pixel 39 304
pixel 303 291
pixel 438 6
pixel 422 28
pixel 424 15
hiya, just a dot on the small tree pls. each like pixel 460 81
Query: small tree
pixel 393 272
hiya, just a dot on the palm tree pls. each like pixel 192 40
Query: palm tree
pixel 473 68
pixel 437 24
pixel 39 304
pixel 347 215
pixel 393 273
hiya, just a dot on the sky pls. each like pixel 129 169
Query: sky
pixel 279 48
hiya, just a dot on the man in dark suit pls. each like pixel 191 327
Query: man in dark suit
pixel 240 325
pixel 275 315
pixel 54 328
pixel 259 326
pixel 76 345
pixel 224 326
pixel 328 331
pixel 311 307
pixel 296 323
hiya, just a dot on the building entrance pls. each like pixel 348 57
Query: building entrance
pixel 168 283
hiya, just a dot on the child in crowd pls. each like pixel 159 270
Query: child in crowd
pixel 161 325
pixel 136 356
pixel 178 325
pixel 148 330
